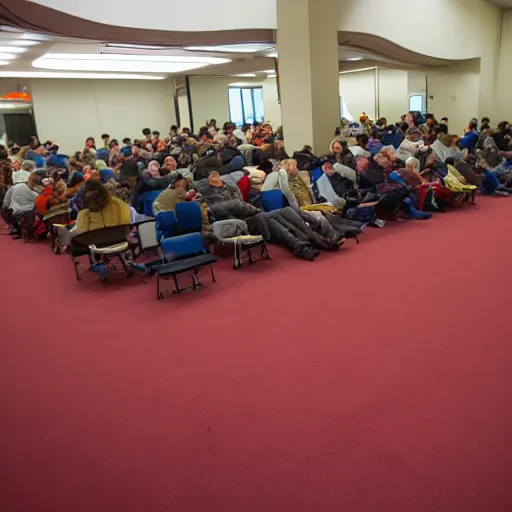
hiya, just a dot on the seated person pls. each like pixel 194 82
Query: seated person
pixel 20 198
pixel 283 226
pixel 171 196
pixel 341 154
pixel 410 174
pixel 225 200
pixel 502 136
pixel 470 138
pixel 100 209
pixel 149 181
pixel 332 186
pixel 299 197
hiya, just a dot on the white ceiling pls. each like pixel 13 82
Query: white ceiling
pixel 504 4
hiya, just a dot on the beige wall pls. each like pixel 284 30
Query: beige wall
pixel 453 92
pixel 392 94
pixel 358 90
pixel 209 96
pixel 69 111
pixel 503 93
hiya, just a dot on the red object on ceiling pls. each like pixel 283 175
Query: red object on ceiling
pixel 17 96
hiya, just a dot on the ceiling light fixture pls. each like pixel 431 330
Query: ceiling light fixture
pixel 49 74
pixel 355 58
pixel 272 55
pixel 235 48
pixel 22 42
pixel 12 49
pixel 123 63
pixel 7 56
pixel 136 46
pixel 271 76
pixel 269 71
pixel 4 62
pixel 247 75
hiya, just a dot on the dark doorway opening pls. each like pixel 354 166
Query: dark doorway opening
pixel 19 127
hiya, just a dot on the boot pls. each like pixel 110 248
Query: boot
pixel 413 213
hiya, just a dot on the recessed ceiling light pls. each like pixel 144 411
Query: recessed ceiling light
pixel 4 62
pixel 247 75
pixel 237 48
pixel 49 74
pixel 271 76
pixel 7 56
pixel 123 63
pixel 12 49
pixel 136 46
pixel 22 42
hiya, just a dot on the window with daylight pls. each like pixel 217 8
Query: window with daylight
pixel 416 103
pixel 246 105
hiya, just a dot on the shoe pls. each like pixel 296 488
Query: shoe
pixel 100 269
pixel 140 267
pixel 413 213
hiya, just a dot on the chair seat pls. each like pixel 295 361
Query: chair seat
pixel 245 240
pixel 179 266
pixel 111 249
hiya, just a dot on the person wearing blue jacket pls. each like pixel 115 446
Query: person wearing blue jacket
pixel 469 140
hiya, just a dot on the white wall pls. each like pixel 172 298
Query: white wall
pixel 69 111
pixel 184 108
pixel 392 93
pixel 504 96
pixel 170 14
pixel 209 97
pixel 453 92
pixel 358 89
pixel 459 29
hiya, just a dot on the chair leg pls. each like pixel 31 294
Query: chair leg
pixel 75 265
pixel 265 255
pixel 238 260
pixel 177 288
pixel 357 240
pixel 159 295
pixel 212 274
pixel 249 256
pixel 127 268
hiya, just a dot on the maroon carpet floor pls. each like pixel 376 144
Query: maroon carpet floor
pixel 376 379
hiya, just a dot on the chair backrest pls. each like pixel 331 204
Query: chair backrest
pixel 183 246
pixel 272 200
pixel 149 198
pixel 102 237
pixel 189 217
pixel 147 235
pixel 166 225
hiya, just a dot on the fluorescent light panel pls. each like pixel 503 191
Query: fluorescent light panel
pixel 122 63
pixel 22 42
pixel 271 76
pixel 236 48
pixel 49 74
pixel 4 62
pixel 246 75
pixel 12 49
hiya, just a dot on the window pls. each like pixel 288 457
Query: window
pixel 416 103
pixel 245 105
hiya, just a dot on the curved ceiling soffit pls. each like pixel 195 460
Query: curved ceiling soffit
pixel 37 18
pixel 386 48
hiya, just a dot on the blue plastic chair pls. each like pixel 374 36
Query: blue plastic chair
pixel 166 225
pixel 189 217
pixel 272 200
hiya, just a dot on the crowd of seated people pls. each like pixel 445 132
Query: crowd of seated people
pixel 308 203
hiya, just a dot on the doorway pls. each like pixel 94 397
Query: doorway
pixel 19 127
